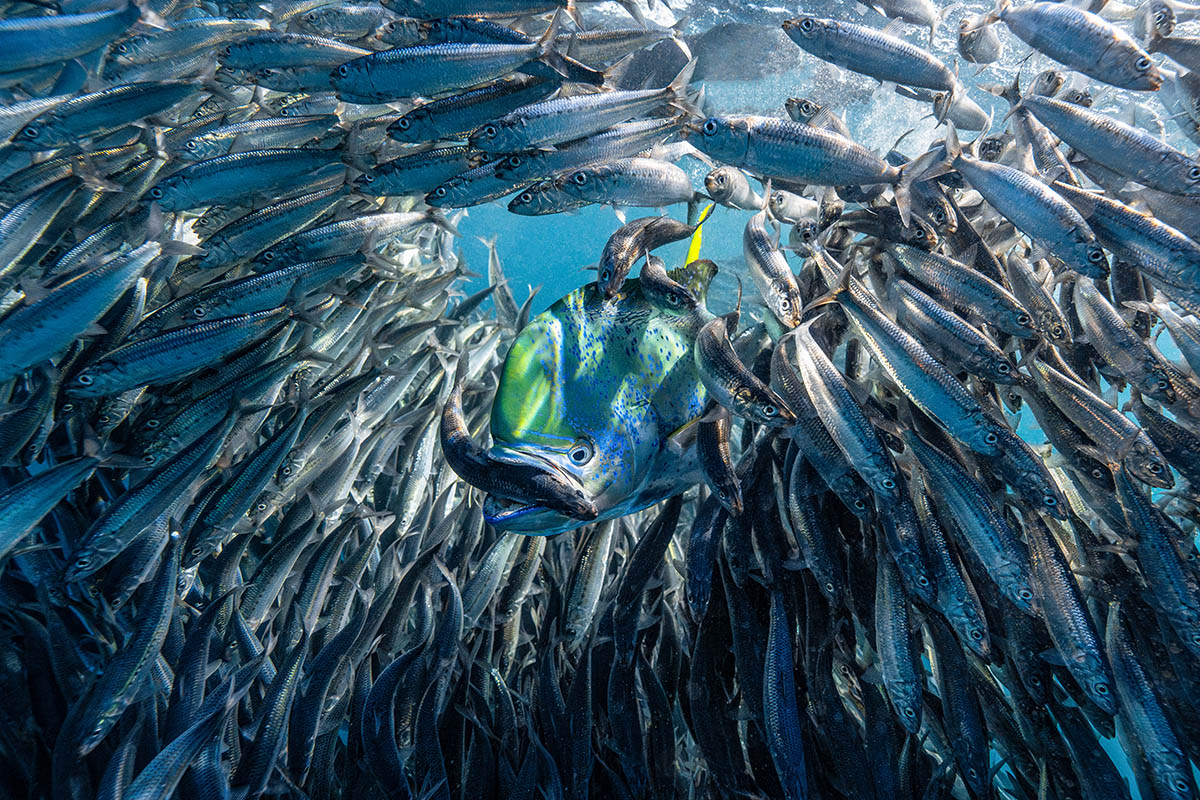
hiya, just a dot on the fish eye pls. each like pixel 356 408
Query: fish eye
pixel 1097 473
pixel 769 410
pixel 1194 173
pixel 402 124
pixel 439 192
pixel 807 25
pixel 1095 255
pixel 83 562
pixel 84 379
pixel 922 581
pixel 310 17
pixel 976 634
pixel 1181 785
pixel 860 505
pixel 1003 368
pixel 156 193
pixel 673 299
pixel 343 70
pixel 191 144
pixel 1142 64
pixel 261 507
pixel 889 484
pixel 368 177
pixel 910 713
pixel 829 587
pixel 1100 688
pixel 514 162
pixel 1025 594
pixel 526 197
pixel 579 178
pixel 710 127
pixel 1155 469
pixel 148 460
pixel 199 311
pixel 581 452
pixel 490 131
pixel 1050 500
pixel 31 132
pixel 1023 319
pixel 1057 331
pixel 991 438
pixel 287 470
pixel 104 418
pixel 1162 385
pixel 785 304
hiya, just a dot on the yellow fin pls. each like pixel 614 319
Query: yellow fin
pixel 698 237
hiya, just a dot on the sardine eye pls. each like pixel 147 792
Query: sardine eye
pixel 1097 473
pixel 910 713
pixel 439 192
pixel 199 311
pixel 1155 469
pixel 526 197
pixel 1194 173
pixel 1142 64
pixel 1162 385
pixel 1095 255
pixel 922 581
pixel 261 507
pixel 1050 500
pixel 976 634
pixel 581 452
pixel 31 133
pixel 156 193
pixel 514 162
pixel 579 178
pixel 673 299
pixel 769 410
pixel 310 17
pixel 1003 368
pixel 807 25
pixel 343 71
pixel 84 379
pixel 191 144
pixel 1057 331
pixel 1181 785
pixel 991 438
pixel 1025 594
pixel 490 131
pixel 605 276
pixel 149 460
pixel 710 127
pixel 83 562
pixel 402 124
pixel 785 305
pixel 889 484
pixel 860 505
pixel 1023 319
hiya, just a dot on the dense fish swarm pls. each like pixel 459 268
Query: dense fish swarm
pixel 922 524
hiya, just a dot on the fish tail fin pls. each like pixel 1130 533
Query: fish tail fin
pixel 677 90
pixel 928 165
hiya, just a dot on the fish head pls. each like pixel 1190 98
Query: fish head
pixel 723 138
pixel 810 32
pixel 593 389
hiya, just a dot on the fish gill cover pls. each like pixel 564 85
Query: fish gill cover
pixel 883 486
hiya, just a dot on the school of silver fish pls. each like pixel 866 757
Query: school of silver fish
pixel 915 520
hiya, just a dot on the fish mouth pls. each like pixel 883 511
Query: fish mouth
pixel 573 500
pixel 503 512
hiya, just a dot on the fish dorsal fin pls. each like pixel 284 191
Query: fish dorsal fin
pixel 696 276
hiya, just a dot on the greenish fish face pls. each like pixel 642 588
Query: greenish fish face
pixel 594 388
